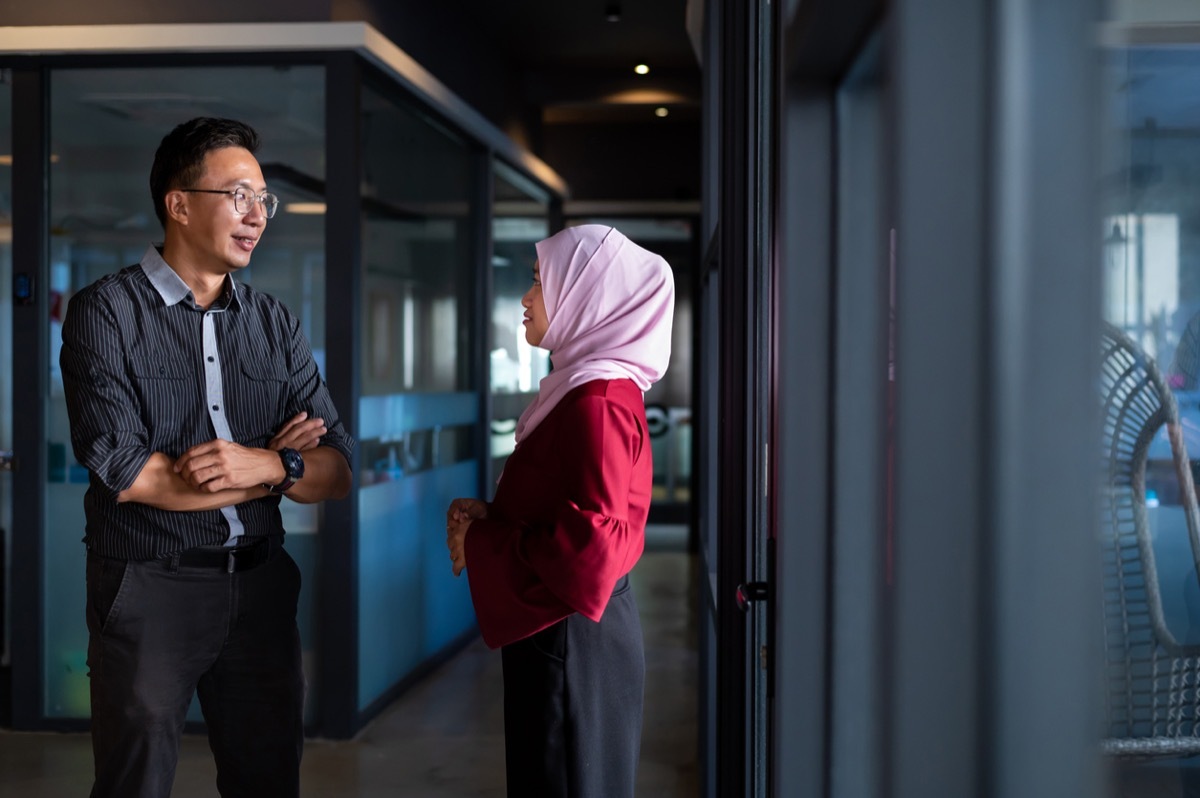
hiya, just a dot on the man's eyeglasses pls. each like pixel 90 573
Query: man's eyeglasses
pixel 243 200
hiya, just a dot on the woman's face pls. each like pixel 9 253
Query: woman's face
pixel 535 310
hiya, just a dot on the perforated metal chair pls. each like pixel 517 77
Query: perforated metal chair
pixel 1153 678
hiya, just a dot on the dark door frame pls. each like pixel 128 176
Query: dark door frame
pixel 744 33
pixel 30 336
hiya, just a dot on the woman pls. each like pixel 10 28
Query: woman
pixel 548 559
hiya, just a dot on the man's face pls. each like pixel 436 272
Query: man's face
pixel 221 238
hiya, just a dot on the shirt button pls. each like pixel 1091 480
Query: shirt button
pixel 216 408
pixel 211 358
pixel 162 369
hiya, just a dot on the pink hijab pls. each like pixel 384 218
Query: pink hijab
pixel 609 304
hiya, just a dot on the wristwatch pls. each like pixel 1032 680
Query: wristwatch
pixel 293 467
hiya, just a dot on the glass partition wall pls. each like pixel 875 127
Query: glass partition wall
pixel 419 408
pixel 416 390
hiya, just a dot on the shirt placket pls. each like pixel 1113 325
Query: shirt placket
pixel 214 396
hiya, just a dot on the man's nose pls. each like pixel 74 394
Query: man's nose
pixel 258 211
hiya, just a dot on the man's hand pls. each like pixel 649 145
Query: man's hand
pixel 222 465
pixel 300 433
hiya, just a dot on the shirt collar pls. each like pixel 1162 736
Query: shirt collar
pixel 171 287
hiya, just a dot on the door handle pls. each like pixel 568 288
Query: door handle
pixel 749 592
pixel 8 461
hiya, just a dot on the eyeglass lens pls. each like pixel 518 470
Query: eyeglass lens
pixel 242 202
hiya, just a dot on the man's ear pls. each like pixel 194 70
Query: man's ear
pixel 177 206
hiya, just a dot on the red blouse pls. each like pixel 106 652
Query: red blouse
pixel 569 517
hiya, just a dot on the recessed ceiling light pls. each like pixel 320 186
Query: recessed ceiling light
pixel 612 12
pixel 661 111
pixel 642 69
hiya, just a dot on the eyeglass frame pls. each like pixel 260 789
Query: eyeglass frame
pixel 261 199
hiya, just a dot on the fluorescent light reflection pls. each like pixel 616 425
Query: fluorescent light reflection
pixel 305 208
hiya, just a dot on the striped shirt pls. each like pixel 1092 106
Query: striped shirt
pixel 147 370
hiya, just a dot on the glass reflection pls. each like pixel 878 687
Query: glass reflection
pixel 1150 400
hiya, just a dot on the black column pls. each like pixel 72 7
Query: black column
pixel 30 372
pixel 338 608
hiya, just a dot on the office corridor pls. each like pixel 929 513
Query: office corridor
pixel 444 737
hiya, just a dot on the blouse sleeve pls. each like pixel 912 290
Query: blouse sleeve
pixel 524 579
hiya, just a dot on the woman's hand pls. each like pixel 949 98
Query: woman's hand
pixel 460 509
pixel 459 516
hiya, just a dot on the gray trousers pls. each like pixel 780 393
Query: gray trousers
pixel 161 633
pixel 573 705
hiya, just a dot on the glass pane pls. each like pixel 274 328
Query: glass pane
pixel 1150 400
pixel 420 406
pixel 520 220
pixel 105 125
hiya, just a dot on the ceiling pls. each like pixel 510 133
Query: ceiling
pixel 609 132
pixel 577 33
pixel 577 65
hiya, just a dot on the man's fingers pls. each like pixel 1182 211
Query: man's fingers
pixel 202 476
pixel 293 421
pixel 299 434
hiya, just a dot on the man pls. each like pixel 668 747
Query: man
pixel 196 405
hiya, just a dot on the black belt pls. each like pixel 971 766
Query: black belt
pixel 229 559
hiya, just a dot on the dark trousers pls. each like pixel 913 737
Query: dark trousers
pixel 573 705
pixel 160 632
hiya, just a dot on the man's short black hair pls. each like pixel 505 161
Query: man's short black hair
pixel 179 161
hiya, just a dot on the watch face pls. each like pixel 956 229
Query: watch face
pixel 293 463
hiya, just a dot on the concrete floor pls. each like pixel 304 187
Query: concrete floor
pixel 444 737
